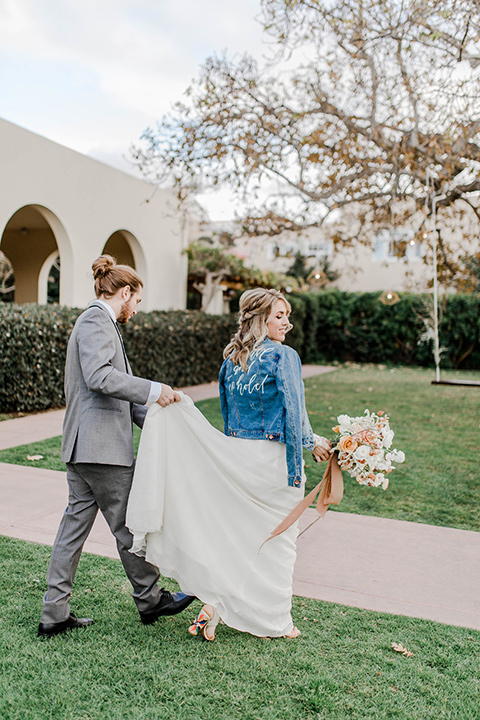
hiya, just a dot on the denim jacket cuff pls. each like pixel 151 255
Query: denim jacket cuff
pixel 308 443
pixel 295 481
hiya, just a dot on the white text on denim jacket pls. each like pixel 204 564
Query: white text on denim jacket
pixel 245 384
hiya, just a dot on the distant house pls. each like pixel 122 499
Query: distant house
pixel 61 209
pixel 394 259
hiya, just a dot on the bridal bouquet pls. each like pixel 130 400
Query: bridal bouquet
pixel 363 447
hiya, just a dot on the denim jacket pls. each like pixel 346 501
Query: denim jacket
pixel 268 402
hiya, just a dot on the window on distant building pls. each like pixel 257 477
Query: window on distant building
pixel 414 250
pixel 391 245
pixel 281 249
pixel 319 248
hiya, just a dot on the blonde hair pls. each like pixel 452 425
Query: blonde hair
pixel 255 308
pixel 110 277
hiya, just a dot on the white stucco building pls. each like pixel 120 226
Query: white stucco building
pixel 57 202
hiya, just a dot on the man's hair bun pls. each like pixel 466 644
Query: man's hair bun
pixel 102 266
pixel 110 277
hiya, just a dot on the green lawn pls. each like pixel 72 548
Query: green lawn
pixel 50 449
pixel 436 426
pixel 342 666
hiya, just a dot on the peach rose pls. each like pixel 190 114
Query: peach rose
pixel 347 444
pixel 368 436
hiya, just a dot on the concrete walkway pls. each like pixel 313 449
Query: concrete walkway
pixel 387 565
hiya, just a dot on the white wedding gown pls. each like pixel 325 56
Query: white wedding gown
pixel 201 505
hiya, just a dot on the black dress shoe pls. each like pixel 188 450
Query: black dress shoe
pixel 51 629
pixel 169 604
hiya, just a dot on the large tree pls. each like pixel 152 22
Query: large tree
pixel 365 107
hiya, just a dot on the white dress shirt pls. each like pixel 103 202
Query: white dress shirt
pixel 155 387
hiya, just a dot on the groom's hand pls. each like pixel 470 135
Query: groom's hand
pixel 167 396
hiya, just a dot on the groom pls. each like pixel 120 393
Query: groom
pixel 102 400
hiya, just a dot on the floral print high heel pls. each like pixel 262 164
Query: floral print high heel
pixel 205 623
pixel 294 633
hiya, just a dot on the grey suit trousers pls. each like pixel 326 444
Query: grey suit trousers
pixel 93 486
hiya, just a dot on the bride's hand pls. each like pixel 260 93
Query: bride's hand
pixel 321 451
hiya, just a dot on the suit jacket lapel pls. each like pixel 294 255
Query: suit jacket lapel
pixel 127 366
pixel 117 329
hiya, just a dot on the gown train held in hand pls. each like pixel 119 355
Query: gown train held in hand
pixel 200 507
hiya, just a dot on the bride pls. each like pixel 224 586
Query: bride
pixel 202 502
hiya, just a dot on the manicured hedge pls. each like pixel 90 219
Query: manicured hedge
pixel 185 347
pixel 179 348
pixel 32 355
pixel 343 326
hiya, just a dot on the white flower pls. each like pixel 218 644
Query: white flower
pixel 388 436
pixel 344 423
pixel 375 460
pixel 361 453
pixel 398 456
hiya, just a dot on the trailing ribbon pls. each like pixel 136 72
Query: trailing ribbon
pixel 331 492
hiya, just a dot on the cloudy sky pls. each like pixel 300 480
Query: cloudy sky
pixel 92 74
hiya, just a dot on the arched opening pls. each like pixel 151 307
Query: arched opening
pixel 53 282
pixel 49 280
pixel 118 246
pixel 28 241
pixel 7 279
pixel 125 247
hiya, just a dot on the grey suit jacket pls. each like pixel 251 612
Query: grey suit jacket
pixel 103 397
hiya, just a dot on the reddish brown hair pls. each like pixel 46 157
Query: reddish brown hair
pixel 110 277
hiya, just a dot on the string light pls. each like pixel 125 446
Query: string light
pixel 389 297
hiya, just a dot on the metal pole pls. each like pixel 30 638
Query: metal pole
pixel 435 287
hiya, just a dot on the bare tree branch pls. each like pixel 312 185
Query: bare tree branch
pixel 363 103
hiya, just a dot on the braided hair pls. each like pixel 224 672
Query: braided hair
pixel 255 308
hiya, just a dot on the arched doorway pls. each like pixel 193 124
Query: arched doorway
pixel 7 279
pixel 49 280
pixel 30 244
pixel 118 246
pixel 125 247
